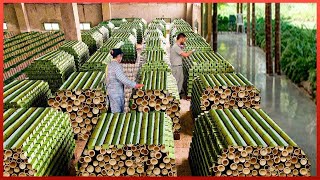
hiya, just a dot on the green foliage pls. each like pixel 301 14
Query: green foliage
pixel 298 50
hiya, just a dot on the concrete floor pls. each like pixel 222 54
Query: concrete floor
pixel 288 105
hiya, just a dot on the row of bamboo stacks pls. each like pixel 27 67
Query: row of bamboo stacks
pixel 83 97
pixel 130 144
pixel 26 93
pixel 37 142
pixel 244 142
pixel 219 91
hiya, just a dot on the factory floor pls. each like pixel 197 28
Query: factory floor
pixel 288 105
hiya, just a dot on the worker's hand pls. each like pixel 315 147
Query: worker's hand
pixel 138 86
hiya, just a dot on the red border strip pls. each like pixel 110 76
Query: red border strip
pixel 153 1
pixel 173 1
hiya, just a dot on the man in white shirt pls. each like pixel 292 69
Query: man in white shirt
pixel 176 54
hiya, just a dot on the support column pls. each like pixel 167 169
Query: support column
pixel 70 21
pixel 106 11
pixel 189 13
pixel 248 24
pixel 241 8
pixel 238 8
pixel 253 25
pixel 277 39
pixel 215 27
pixel 22 17
pixel 209 21
pixel 268 30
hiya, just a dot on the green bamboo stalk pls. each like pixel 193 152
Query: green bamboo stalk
pixel 225 78
pixel 97 80
pixel 105 128
pixel 150 127
pixel 221 80
pixel 132 124
pixel 112 129
pixel 215 80
pixel 156 128
pixel 116 138
pixel 11 85
pixel 209 79
pixel 18 97
pixel 8 113
pixel 238 79
pixel 137 129
pixel 96 132
pixel 144 129
pixel 154 80
pixel 125 129
pixel 162 128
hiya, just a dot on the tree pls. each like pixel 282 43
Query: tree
pixel 277 39
pixel 268 31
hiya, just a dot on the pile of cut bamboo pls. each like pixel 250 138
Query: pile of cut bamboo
pixel 203 63
pixel 26 93
pixel 130 144
pixel 93 39
pixel 158 94
pixel 78 49
pixel 97 62
pixel 83 97
pixel 54 68
pixel 221 91
pixel 103 30
pixel 244 142
pixel 37 142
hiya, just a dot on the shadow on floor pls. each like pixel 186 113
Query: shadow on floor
pixel 184 168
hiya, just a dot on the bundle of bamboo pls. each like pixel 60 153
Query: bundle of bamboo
pixel 54 67
pixel 110 44
pixel 93 39
pixel 103 30
pixel 130 144
pixel 26 93
pixel 37 142
pixel 220 91
pixel 83 97
pixel 97 62
pixel 203 63
pixel 244 143
pixel 159 94
pixel 79 50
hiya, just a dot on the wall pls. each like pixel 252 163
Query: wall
pixel 90 13
pixel 41 13
pixel 11 19
pixel 148 11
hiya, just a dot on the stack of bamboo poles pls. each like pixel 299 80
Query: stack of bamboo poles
pixel 110 44
pixel 37 142
pixel 97 62
pixel 203 63
pixel 54 67
pixel 130 144
pixel 78 49
pixel 157 95
pixel 219 91
pixel 103 30
pixel 84 99
pixel 131 71
pixel 244 142
pixel 93 39
pixel 26 93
